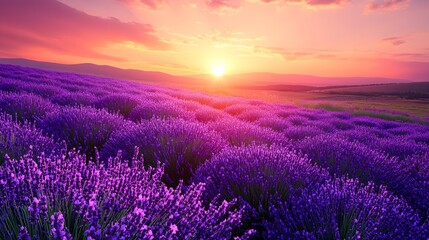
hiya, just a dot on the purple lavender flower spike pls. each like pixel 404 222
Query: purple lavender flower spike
pixel 59 232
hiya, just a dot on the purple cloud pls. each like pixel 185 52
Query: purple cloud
pixel 30 27
pixel 289 55
pixel 224 4
pixel 152 4
pixel 381 5
pixel 395 41
pixel 310 2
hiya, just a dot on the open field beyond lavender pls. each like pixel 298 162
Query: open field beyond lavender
pixel 86 157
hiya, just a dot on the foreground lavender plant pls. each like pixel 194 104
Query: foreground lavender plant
pixel 179 144
pixel 74 99
pixel 83 128
pixel 61 197
pixel 282 193
pixel 25 107
pixel 16 139
pixel 149 109
pixel 257 175
pixel 243 133
pixel 59 232
pixel 342 157
pixel 121 103
pixel 344 209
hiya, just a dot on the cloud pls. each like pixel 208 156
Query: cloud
pixel 28 26
pixel 234 5
pixel 152 4
pixel 413 55
pixel 394 41
pixel 309 2
pixel 383 5
pixel 223 5
pixel 292 55
pixel 417 71
pixel 228 37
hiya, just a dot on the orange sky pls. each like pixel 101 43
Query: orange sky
pixel 383 38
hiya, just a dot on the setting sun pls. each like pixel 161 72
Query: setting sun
pixel 218 70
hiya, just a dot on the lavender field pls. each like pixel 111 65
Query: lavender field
pixel 84 157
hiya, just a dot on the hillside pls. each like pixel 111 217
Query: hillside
pixel 82 156
pixel 406 90
pixel 248 80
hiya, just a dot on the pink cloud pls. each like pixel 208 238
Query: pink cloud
pixel 382 5
pixel 395 41
pixel 48 25
pixel 310 2
pixel 223 4
pixel 325 2
pixel 292 55
pixel 152 4
pixel 417 71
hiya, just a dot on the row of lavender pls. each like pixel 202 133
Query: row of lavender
pixel 230 167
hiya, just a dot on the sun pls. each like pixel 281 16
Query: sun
pixel 218 70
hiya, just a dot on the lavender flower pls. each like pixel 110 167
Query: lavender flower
pixel 344 209
pixel 121 103
pixel 239 150
pixel 242 133
pixel 17 139
pixel 82 128
pixel 208 114
pixel 34 210
pixel 181 145
pixel 59 232
pixel 257 175
pixel 149 109
pixel 342 157
pixel 276 123
pixel 106 201
pixel 23 234
pixel 75 99
pixel 25 106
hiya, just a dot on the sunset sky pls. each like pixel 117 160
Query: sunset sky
pixel 383 38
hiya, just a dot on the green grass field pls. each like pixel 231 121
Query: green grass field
pixel 386 107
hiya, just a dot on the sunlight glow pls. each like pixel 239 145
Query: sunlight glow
pixel 218 70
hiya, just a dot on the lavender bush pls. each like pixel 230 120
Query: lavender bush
pixel 17 139
pixel 149 109
pixel 242 133
pixel 179 144
pixel 83 128
pixel 44 90
pixel 63 197
pixel 74 99
pixel 276 123
pixel 25 106
pixel 208 114
pixel 301 132
pixel 402 147
pixel 361 177
pixel 344 209
pixel 344 158
pixel 252 115
pixel 417 190
pixel 10 86
pixel 257 175
pixel 121 103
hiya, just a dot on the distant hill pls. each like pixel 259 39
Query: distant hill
pixel 104 71
pixel 306 80
pixel 263 81
pixel 406 90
